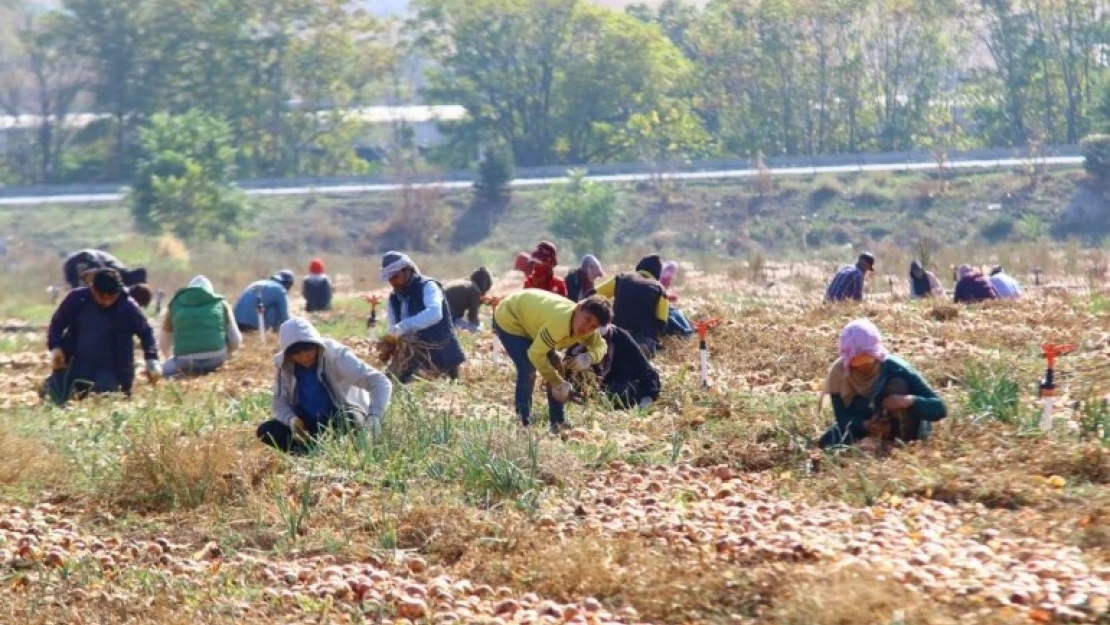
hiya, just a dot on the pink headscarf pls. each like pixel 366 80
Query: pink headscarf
pixel 861 337
pixel 670 270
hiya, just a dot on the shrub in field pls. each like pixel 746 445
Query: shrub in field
pixel 583 212
pixel 1096 156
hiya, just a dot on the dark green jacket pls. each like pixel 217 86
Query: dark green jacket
pixel 849 429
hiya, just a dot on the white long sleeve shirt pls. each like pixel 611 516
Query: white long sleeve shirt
pixel 431 315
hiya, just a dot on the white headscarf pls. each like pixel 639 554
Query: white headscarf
pixel 202 282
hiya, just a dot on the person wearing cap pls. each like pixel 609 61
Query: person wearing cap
pixel 972 286
pixel 848 282
pixel 464 298
pixel 320 385
pixel 542 271
pixel 677 323
pixel 1004 284
pixel 923 283
pixel 316 288
pixel 640 303
pixel 580 282
pixel 531 324
pixel 198 330
pixel 419 316
pixel 273 294
pixel 876 395
pixel 90 339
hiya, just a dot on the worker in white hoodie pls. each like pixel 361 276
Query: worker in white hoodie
pixel 320 385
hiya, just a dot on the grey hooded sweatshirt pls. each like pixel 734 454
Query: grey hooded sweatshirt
pixel 352 382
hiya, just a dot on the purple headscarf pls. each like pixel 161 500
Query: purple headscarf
pixel 861 337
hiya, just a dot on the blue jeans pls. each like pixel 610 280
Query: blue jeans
pixel 677 324
pixel 191 366
pixel 517 349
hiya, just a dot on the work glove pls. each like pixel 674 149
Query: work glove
pixel 153 371
pixel 57 359
pixel 645 403
pixel 581 362
pixel 396 331
pixel 300 430
pixel 561 392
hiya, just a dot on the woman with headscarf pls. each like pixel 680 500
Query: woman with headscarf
pixel 542 272
pixel 677 323
pixel 923 283
pixel 875 395
pixel 199 330
pixel 972 286
pixel 580 282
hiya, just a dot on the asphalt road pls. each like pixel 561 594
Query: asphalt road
pixel 94 198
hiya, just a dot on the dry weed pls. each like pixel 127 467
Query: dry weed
pixel 856 597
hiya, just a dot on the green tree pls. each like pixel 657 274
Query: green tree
pixel 554 80
pixel 582 212
pixel 183 182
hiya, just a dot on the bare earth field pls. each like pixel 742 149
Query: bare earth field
pixel 711 507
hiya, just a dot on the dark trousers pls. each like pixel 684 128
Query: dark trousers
pixel 517 349
pixel 625 394
pixel 280 436
pixel 76 382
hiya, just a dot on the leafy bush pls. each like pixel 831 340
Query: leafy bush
pixel 998 229
pixel 582 212
pixel 494 173
pixel 1096 156
pixel 183 181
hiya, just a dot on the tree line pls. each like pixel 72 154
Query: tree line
pixel 544 82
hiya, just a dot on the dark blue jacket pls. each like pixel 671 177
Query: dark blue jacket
pixel 128 321
pixel 446 353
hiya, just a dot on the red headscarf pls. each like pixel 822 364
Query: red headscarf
pixel 316 266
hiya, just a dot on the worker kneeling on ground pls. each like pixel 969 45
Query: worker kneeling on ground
pixel 91 341
pixel 640 302
pixel 272 293
pixel 420 321
pixel 199 330
pixel 464 299
pixel 877 398
pixel 320 386
pixel 531 324
pixel 81 266
pixel 624 375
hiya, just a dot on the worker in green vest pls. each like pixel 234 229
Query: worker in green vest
pixel 200 328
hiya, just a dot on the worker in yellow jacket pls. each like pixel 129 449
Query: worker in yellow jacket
pixel 532 323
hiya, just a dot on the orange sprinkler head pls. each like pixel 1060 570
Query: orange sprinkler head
pixel 1052 352
pixel 703 327
pixel 373 299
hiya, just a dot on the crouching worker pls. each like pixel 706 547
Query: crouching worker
pixel 625 374
pixel 877 398
pixel 200 329
pixel 316 288
pixel 320 386
pixel 464 299
pixel 531 324
pixel 91 341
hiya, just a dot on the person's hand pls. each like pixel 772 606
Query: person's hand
pixel 396 331
pixel 57 359
pixel 898 402
pixel 561 392
pixel 300 431
pixel 581 362
pixel 645 403
pixel 153 371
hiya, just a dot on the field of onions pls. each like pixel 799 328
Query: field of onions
pixel 712 506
